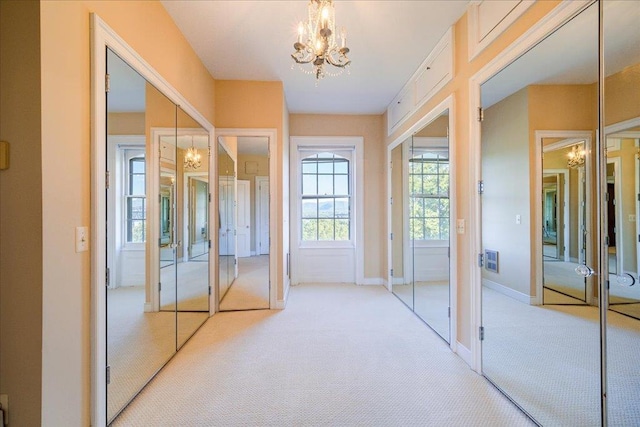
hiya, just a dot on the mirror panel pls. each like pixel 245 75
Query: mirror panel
pixel 141 331
pixel 429 179
pixel 192 226
pixel 544 357
pixel 622 138
pixel 402 253
pixel 226 242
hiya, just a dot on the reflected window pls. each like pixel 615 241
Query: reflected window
pixel 429 187
pixel 326 198
pixel 135 196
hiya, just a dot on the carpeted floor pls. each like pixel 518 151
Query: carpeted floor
pixel 250 290
pixel 339 355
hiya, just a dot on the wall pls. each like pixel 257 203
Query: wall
pixel 369 127
pixel 286 241
pixel 462 115
pixel 505 172
pixel 66 119
pixel 251 104
pixel 21 211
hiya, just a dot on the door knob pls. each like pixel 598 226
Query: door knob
pixel 584 271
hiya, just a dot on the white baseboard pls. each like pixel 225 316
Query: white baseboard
pixel 148 307
pixel 516 295
pixel 373 281
pixel 398 280
pixel 253 253
pixel 282 303
pixel 464 353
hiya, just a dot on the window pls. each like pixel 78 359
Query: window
pixel 429 189
pixel 326 198
pixel 135 198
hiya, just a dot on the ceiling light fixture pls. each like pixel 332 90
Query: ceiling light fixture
pixel 317 41
pixel 192 158
pixel 576 157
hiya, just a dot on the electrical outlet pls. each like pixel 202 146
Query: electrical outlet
pixel 632 218
pixel 82 239
pixel 4 401
pixel 518 219
pixel 460 226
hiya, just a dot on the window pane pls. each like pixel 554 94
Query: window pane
pixel 444 167
pixel 415 184
pixel 325 184
pixel 444 185
pixel 137 185
pixel 417 207
pixel 444 207
pixel 431 207
pixel 430 167
pixel 444 228
pixel 325 208
pixel 135 208
pixel 341 166
pixel 309 166
pixel 325 166
pixel 415 167
pixel 309 185
pixel 137 165
pixel 342 229
pixel 309 229
pixel 309 208
pixel 342 208
pixel 430 184
pixel 342 185
pixel 415 230
pixel 135 232
pixel 325 229
pixel 432 228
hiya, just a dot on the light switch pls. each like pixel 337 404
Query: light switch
pixel 632 218
pixel 82 239
pixel 460 226
pixel 518 219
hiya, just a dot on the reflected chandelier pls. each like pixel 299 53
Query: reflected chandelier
pixel 317 41
pixel 576 157
pixel 192 158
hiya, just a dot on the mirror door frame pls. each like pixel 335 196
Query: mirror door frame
pixel 103 37
pixel 274 247
pixel 562 13
pixel 444 105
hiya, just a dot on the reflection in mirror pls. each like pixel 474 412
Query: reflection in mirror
pixel 544 357
pixel 402 255
pixel 563 220
pixel 244 190
pixel 140 336
pixel 226 243
pixel 192 226
pixel 622 136
pixel 429 223
pixel 420 221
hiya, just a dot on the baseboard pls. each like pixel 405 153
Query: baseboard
pixel 398 281
pixel 148 307
pixel 282 303
pixel 464 353
pixel 253 253
pixel 516 295
pixel 373 281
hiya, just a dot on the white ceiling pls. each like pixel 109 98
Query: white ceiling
pixel 253 40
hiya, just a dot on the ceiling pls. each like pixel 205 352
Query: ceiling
pixel 253 40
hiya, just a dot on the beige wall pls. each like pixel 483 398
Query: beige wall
pixel 622 92
pixel 505 172
pixel 397 213
pixel 125 124
pixel 66 101
pixel 369 127
pixel 21 212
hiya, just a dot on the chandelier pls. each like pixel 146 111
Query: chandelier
pixel 576 157
pixel 317 41
pixel 192 158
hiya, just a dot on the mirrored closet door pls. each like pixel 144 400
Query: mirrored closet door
pixel 157 231
pixel 420 216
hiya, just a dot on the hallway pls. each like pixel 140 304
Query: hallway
pixel 337 355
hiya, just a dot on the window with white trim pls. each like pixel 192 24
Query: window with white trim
pixel 326 197
pixel 429 190
pixel 135 204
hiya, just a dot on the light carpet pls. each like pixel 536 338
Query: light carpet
pixel 192 292
pixel 339 355
pixel 547 359
pixel 250 290
pixel 139 343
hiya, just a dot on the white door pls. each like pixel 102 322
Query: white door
pixel 262 215
pixel 244 219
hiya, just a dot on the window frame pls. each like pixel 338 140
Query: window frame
pixel 421 146
pixel 128 154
